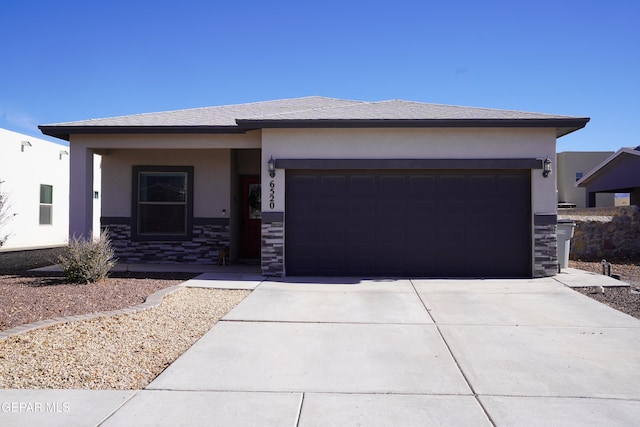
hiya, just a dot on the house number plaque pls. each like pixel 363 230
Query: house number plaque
pixel 272 194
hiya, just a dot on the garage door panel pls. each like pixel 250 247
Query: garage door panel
pixel 511 185
pixel 404 223
pixel 391 238
pixel 422 185
pixel 300 184
pixel 360 210
pixel 360 238
pixel 362 266
pixel 482 185
pixel 420 211
pixel 392 185
pixel 452 184
pixel 329 184
pixel 363 185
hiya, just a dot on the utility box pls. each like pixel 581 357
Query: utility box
pixel 565 233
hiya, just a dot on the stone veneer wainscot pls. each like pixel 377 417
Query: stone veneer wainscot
pixel 207 239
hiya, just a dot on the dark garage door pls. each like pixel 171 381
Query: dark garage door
pixel 408 223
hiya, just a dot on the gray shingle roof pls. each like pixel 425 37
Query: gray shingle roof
pixel 314 111
pixel 224 115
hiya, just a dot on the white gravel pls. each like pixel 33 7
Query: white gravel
pixel 122 352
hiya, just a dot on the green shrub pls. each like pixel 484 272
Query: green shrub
pixel 88 260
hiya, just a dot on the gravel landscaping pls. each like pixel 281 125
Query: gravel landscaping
pixel 120 352
pixel 625 299
pixel 109 352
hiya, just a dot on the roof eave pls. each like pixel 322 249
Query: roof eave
pixel 563 126
pixel 64 132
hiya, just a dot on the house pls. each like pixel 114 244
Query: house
pixel 619 173
pixel 324 186
pixel 573 165
pixel 34 179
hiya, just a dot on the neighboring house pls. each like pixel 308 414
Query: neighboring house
pixel 34 176
pixel 329 187
pixel 619 173
pixel 573 165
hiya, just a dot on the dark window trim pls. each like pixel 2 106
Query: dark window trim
pixel 134 203
pixel 409 163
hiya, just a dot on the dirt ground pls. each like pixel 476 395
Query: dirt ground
pixel 27 297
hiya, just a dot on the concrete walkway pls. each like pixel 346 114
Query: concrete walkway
pixel 411 352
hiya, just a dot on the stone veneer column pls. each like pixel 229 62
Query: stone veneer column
pixel 545 246
pixel 273 244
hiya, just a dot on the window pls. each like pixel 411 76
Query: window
pixel 162 202
pixel 46 204
pixel 578 176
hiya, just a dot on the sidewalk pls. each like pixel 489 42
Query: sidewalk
pixel 411 352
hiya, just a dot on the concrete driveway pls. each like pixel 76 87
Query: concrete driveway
pixel 320 352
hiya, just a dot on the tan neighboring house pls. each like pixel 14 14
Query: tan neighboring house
pixel 571 167
pixel 618 173
pixel 320 186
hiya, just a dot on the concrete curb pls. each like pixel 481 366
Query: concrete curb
pixel 152 301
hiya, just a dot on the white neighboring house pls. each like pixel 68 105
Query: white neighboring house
pixel 34 176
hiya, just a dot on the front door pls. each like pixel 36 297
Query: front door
pixel 251 217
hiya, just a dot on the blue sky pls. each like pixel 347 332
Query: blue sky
pixel 71 60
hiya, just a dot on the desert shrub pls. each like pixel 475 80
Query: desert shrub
pixel 88 260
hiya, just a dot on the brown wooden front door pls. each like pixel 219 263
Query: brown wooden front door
pixel 251 217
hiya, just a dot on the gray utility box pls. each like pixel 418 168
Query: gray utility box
pixel 565 233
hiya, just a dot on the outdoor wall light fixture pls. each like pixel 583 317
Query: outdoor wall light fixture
pixel 271 167
pixel 24 144
pixel 63 153
pixel 546 167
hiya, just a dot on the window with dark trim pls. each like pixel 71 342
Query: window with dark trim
pixel 162 202
pixel 46 204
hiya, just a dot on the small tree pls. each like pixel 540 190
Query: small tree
pixel 88 260
pixel 4 218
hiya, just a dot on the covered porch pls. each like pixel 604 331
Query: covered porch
pixel 165 199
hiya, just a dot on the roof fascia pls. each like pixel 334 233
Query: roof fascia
pixel 563 126
pixel 64 132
